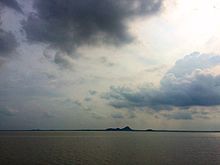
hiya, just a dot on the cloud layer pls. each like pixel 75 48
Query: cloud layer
pixel 185 84
pixel 13 4
pixel 8 42
pixel 69 24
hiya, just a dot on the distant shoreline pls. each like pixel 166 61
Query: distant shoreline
pixel 109 131
pixel 125 129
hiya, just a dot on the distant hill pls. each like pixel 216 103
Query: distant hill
pixel 127 128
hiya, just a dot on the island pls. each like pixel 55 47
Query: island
pixel 127 128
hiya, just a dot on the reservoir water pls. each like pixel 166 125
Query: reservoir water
pixel 109 148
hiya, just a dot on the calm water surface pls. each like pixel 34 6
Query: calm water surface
pixel 109 148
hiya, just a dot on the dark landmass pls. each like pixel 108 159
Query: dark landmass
pixel 125 129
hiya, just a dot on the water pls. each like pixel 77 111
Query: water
pixel 109 148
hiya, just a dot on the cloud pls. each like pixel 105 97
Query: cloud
pixel 186 84
pixel 178 116
pixel 106 62
pixel 194 61
pixel 63 61
pixel 117 116
pixel 92 92
pixel 156 69
pixel 87 99
pixel 13 4
pixel 5 111
pixel 69 24
pixel 8 43
pixel 48 115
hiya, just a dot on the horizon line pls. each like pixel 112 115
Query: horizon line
pixel 112 130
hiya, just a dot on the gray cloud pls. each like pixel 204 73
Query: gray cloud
pixel 67 24
pixel 179 87
pixel 179 116
pixel 5 111
pixel 194 61
pixel 117 116
pixel 48 115
pixel 156 69
pixel 13 4
pixel 8 43
pixel 87 98
pixel 92 92
pixel 62 61
pixel 105 61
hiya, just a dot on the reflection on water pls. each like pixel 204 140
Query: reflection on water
pixel 92 148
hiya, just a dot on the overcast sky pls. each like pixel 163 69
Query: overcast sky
pixel 72 64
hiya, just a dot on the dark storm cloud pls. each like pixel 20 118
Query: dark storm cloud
pixel 184 85
pixel 8 43
pixel 68 24
pixel 11 4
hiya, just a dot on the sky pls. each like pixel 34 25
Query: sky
pixel 101 63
